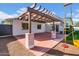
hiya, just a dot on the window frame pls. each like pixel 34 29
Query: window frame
pixel 24 26
pixel 39 26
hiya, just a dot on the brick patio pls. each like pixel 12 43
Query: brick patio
pixel 11 46
pixel 43 42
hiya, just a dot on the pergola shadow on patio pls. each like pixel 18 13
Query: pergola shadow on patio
pixel 47 36
pixel 42 36
pixel 39 43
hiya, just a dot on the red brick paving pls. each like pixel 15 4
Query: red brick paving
pixel 43 42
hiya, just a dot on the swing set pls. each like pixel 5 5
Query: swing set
pixel 75 41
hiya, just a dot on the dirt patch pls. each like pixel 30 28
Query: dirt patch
pixel 16 49
pixel 3 45
pixel 9 46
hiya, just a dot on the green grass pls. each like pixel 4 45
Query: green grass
pixel 68 30
pixel 76 36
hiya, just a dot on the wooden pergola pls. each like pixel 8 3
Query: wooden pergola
pixel 36 14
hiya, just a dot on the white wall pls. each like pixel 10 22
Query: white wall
pixel 48 27
pixel 61 26
pixel 34 27
pixel 17 27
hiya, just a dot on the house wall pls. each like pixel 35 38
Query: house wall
pixel 61 26
pixel 48 27
pixel 45 27
pixel 17 27
pixel 34 27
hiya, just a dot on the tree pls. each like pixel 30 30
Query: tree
pixel 7 21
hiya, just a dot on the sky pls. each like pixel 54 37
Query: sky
pixel 12 10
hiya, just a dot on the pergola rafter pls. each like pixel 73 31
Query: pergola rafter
pixel 42 14
pixel 35 13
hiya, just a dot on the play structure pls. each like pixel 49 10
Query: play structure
pixel 76 43
pixel 74 40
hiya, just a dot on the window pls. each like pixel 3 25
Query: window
pixel 24 26
pixel 39 26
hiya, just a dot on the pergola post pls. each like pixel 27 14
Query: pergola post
pixel 29 22
pixel 29 43
pixel 53 26
pixel 53 33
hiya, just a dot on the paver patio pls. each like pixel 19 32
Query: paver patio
pixel 60 51
pixel 11 46
pixel 43 42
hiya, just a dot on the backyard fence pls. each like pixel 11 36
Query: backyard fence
pixel 5 30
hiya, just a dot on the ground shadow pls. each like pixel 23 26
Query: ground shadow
pixel 52 51
pixel 41 49
pixel 20 36
pixel 42 36
pixel 58 53
pixel 47 36
pixel 3 45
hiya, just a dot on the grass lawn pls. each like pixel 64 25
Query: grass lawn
pixel 70 37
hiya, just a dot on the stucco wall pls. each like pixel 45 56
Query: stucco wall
pixel 34 27
pixel 48 27
pixel 17 27
pixel 61 26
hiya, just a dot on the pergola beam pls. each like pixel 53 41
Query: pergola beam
pixel 42 14
pixel 67 4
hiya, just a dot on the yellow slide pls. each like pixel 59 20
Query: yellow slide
pixel 76 43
